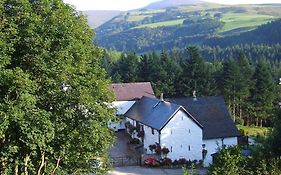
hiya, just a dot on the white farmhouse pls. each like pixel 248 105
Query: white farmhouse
pixel 169 125
pixel 126 95
pixel 218 128
pixel 191 128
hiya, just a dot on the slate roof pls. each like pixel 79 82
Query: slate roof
pixel 154 112
pixel 132 91
pixel 212 113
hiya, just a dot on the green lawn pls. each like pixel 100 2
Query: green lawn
pixel 254 131
pixel 161 24
pixel 238 20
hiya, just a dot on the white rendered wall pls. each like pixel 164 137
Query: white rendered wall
pixel 213 145
pixel 149 138
pixel 122 107
pixel 182 133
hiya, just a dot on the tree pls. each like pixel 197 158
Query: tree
pixel 263 95
pixel 164 72
pixel 228 162
pixel 275 139
pixel 128 67
pixel 231 84
pixel 53 117
pixel 197 75
pixel 244 86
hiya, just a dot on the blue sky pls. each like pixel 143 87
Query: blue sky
pixel 134 4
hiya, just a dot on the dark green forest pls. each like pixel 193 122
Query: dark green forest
pixel 250 87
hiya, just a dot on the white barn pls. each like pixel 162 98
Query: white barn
pixel 218 128
pixel 191 128
pixel 169 125
pixel 126 95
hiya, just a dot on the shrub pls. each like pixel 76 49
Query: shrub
pixel 176 162
pixel 152 147
pixel 188 163
pixel 167 161
pixel 158 149
pixel 165 150
pixel 134 141
pixel 141 134
pixel 151 161
pixel 182 161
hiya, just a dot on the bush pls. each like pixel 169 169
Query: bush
pixel 166 161
pixel 152 147
pixel 141 134
pixel 176 162
pixel 134 141
pixel 158 149
pixel 228 161
pixel 151 161
pixel 182 161
pixel 165 150
pixel 188 163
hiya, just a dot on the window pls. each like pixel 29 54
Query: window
pixel 152 131
pixel 141 127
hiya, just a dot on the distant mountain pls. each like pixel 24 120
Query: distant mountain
pixel 171 3
pixel 98 17
pixel 197 24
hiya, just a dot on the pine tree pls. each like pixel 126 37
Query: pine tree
pixel 128 67
pixel 244 87
pixel 230 85
pixel 196 75
pixel 263 95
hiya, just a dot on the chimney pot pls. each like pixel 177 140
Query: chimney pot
pixel 162 97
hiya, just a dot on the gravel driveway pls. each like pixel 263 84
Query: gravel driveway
pixel 137 170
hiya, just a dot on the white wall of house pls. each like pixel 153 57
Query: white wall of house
pixel 183 137
pixel 122 107
pixel 213 145
pixel 149 137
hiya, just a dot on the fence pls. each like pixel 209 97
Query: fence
pixel 125 161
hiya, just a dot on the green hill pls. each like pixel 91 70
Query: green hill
pixel 155 29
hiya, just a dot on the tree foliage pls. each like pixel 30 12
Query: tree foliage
pixel 53 117
pixel 178 74
pixel 230 161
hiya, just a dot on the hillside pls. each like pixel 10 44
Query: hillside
pixel 266 34
pixel 98 17
pixel 171 3
pixel 165 28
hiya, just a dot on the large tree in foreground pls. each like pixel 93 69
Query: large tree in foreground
pixel 53 94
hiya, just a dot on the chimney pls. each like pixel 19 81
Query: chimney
pixel 194 95
pixel 161 97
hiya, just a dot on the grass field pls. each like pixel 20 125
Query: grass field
pixel 254 131
pixel 133 18
pixel 238 20
pixel 161 24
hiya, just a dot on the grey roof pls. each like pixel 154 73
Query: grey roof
pixel 132 91
pixel 154 112
pixel 212 113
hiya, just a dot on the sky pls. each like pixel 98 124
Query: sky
pixel 134 4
